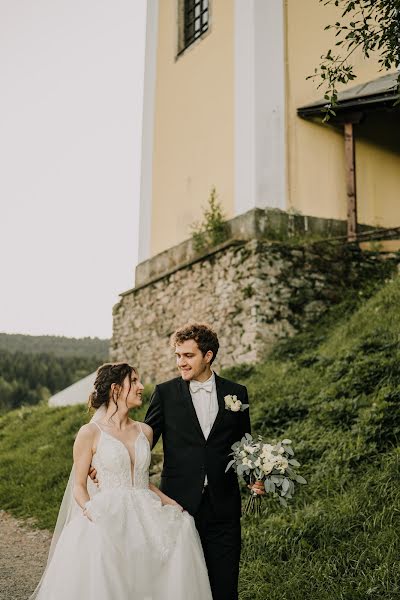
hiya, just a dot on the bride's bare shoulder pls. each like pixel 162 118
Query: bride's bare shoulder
pixel 147 430
pixel 87 432
pixel 85 439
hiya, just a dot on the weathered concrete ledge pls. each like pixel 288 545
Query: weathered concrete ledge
pixel 197 257
pixel 258 224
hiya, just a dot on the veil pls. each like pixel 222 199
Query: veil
pixel 69 508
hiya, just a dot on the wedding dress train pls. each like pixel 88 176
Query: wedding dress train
pixel 134 548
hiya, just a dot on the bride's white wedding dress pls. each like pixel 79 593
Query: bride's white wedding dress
pixel 135 548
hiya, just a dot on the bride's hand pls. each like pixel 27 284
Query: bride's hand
pixel 85 510
pixel 171 502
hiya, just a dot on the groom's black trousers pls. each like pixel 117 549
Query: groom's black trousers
pixel 221 541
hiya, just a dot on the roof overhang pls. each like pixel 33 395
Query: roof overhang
pixel 353 103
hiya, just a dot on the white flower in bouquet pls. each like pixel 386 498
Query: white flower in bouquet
pixel 267 467
pixel 282 464
pixel 266 450
pixel 250 449
pixel 274 464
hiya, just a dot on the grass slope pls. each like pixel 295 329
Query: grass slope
pixel 338 399
pixel 335 391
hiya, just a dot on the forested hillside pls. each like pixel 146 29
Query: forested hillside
pixel 34 367
pixel 51 344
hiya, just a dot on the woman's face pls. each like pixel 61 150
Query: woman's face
pixel 132 397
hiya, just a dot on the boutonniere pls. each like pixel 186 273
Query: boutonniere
pixel 232 403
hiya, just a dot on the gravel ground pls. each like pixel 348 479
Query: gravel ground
pixel 23 555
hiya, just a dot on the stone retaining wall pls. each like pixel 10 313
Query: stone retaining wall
pixel 253 293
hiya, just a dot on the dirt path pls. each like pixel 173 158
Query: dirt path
pixel 23 555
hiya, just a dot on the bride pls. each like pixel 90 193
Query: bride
pixel 125 540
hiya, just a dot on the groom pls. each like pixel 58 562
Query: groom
pixel 198 430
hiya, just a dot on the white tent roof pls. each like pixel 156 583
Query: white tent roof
pixel 77 393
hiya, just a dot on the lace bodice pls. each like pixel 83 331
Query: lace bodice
pixel 113 463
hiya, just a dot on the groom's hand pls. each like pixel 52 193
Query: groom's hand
pixel 93 475
pixel 257 488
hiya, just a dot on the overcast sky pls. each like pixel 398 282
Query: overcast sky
pixel 71 85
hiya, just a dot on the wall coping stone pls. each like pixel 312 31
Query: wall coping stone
pixel 198 258
pixel 270 224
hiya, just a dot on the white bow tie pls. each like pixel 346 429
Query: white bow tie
pixel 195 386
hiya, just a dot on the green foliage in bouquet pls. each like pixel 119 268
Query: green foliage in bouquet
pixel 273 464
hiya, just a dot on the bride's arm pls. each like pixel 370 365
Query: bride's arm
pixel 83 454
pixel 148 431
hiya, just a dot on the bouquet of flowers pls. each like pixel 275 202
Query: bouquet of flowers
pixel 273 464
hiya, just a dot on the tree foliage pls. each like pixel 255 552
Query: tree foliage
pixel 34 367
pixel 373 26
pixel 54 344
pixel 213 229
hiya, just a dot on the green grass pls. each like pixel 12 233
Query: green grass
pixel 335 391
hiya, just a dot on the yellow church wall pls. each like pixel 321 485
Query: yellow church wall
pixel 378 170
pixel 193 127
pixel 315 153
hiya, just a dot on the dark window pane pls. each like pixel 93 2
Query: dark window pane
pixel 195 20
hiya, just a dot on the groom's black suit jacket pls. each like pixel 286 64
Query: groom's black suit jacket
pixel 188 456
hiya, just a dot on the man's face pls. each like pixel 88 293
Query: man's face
pixel 190 360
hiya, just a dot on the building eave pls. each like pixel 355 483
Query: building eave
pixel 378 94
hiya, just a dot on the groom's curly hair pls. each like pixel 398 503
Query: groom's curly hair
pixel 201 333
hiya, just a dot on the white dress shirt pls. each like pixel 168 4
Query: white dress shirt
pixel 205 402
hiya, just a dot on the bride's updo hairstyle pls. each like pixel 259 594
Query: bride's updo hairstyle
pixel 108 374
